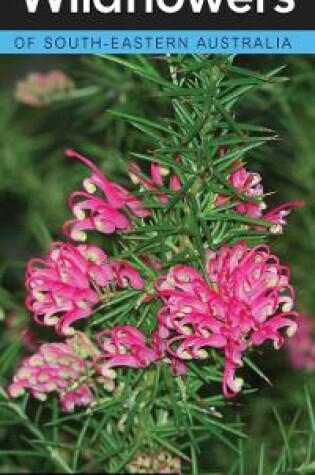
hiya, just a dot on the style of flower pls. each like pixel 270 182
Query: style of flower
pixel 301 348
pixel 123 346
pixel 66 285
pixel 108 211
pixel 156 181
pixel 244 299
pixel 40 89
pixel 55 368
pixel 249 200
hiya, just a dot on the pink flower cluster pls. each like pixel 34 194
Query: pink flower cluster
pixel 244 299
pixel 39 89
pixel 112 210
pixel 301 347
pixel 67 285
pixel 71 369
pixel 54 368
pixel 250 199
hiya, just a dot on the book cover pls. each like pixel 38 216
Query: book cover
pixel 157 299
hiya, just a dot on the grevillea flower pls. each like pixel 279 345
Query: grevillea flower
pixel 249 185
pixel 278 215
pixel 109 210
pixel 301 347
pixel 157 179
pixel 124 346
pixel 125 275
pixel 249 200
pixel 160 462
pixel 62 287
pixel 65 286
pixel 55 368
pixel 245 299
pixel 39 89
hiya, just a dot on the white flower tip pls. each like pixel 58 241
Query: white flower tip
pixel 40 396
pixel 134 178
pixel 287 306
pixel 109 373
pixel 238 384
pixel 291 330
pixel 186 330
pixel 183 354
pixel 93 257
pixel 164 171
pixel 100 226
pixel 276 345
pixel 276 229
pixel 79 214
pixel 202 354
pixel 79 236
pixel 272 281
pixel 68 331
pixel 39 296
pixel 89 186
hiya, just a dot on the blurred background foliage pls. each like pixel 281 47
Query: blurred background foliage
pixel 35 178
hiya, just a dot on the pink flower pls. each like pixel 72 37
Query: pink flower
pixel 65 286
pixel 248 185
pixel 124 346
pixel 301 347
pixel 126 275
pixel 157 179
pixel 81 397
pixel 245 299
pixel 278 215
pixel 62 287
pixel 40 89
pixel 54 368
pixel 107 212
